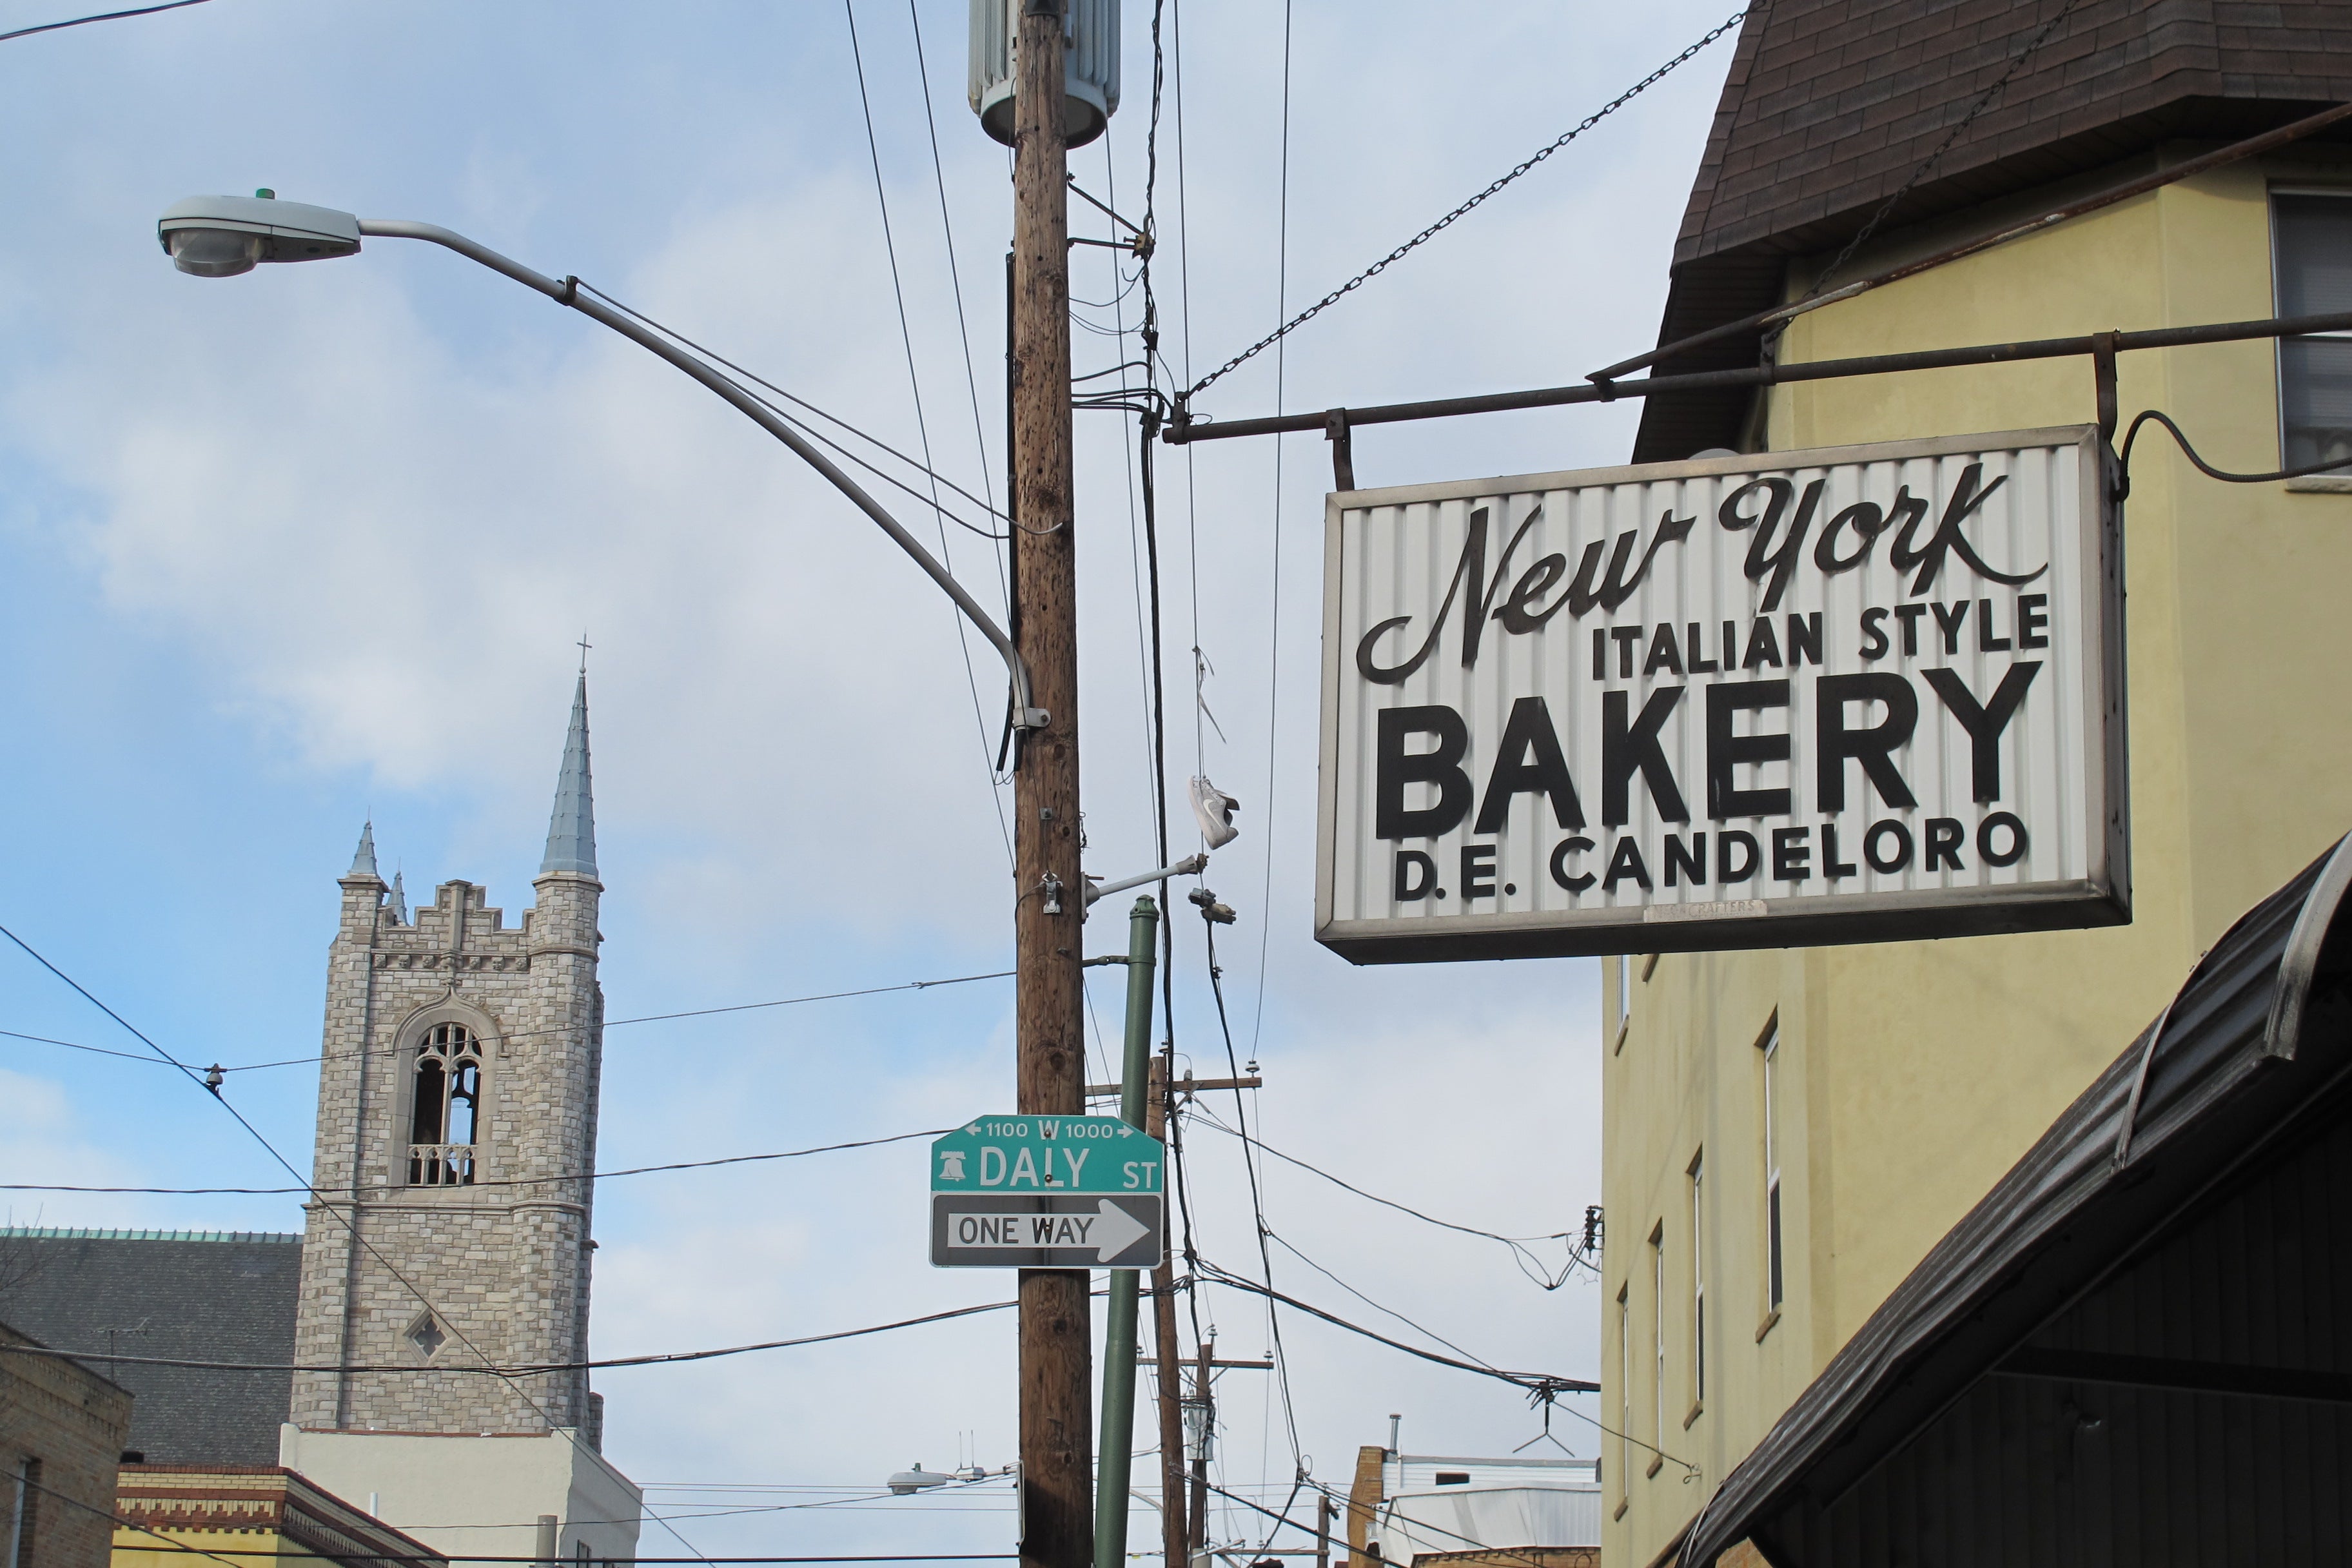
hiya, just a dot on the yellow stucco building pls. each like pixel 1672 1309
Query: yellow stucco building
pixel 1788 1132
pixel 250 1516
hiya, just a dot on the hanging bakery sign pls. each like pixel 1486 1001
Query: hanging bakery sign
pixel 1858 694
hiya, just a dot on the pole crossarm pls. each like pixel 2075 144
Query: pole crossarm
pixel 566 291
pixel 2089 344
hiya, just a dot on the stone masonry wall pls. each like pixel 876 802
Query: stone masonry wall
pixel 503 1263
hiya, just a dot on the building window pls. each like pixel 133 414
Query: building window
pixel 1698 1281
pixel 1624 1390
pixel 1773 1271
pixel 27 1485
pixel 447 1089
pixel 1658 1329
pixel 2311 249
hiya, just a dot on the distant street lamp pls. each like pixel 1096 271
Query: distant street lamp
pixel 221 237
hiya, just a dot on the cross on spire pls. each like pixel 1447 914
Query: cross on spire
pixel 584 645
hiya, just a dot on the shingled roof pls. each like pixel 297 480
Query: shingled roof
pixel 226 1296
pixel 1832 105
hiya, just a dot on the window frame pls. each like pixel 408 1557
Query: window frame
pixel 1625 1393
pixel 2279 346
pixel 1775 1234
pixel 1658 1337
pixel 451 1054
pixel 1698 1285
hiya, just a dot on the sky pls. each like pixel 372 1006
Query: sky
pixel 286 553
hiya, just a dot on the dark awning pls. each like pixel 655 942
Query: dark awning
pixel 2148 1320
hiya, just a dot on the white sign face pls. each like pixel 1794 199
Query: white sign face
pixel 1858 694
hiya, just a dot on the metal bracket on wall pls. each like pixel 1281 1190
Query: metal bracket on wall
pixel 1343 449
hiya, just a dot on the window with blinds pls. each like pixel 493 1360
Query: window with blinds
pixel 2311 249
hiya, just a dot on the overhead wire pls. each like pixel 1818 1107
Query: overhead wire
pixel 1273 594
pixel 1528 1262
pixel 922 425
pixel 502 1181
pixel 508 1374
pixel 1382 264
pixel 526 1034
pixel 349 1227
pixel 101 16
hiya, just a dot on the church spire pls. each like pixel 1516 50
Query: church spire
pixel 572 830
pixel 363 863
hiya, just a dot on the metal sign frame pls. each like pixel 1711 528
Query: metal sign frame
pixel 2102 896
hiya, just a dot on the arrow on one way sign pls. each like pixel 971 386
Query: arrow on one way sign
pixel 1048 1231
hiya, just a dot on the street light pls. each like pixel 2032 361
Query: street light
pixel 221 237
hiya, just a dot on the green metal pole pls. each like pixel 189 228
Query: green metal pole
pixel 1119 1344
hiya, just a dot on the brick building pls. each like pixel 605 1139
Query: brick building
pixel 61 1429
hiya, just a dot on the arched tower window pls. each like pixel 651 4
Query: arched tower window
pixel 447 1097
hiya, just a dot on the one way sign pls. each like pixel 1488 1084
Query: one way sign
pixel 1048 1230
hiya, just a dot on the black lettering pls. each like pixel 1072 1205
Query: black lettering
pixel 1627 749
pixel 1663 654
pixel 1866 520
pixel 1898 860
pixel 1625 865
pixel 1965 500
pixel 1751 856
pixel 1909 616
pixel 2030 620
pixel 1619 587
pixel 1873 634
pixel 1874 747
pixel 1765 557
pixel 1793 854
pixel 1984 723
pixel 1528 762
pixel 2016 850
pixel 1686 862
pixel 1470 567
pixel 1945 837
pixel 1395 767
pixel 1698 666
pixel 1951 624
pixel 1986 641
pixel 1805 637
pixel 1560 854
pixel 1832 867
pixel 1423 875
pixel 1599 652
pixel 1478 870
pixel 1763 647
pixel 1518 613
pixel 1628 639
pixel 1727 750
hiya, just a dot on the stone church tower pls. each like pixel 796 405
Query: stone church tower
pixel 450 1226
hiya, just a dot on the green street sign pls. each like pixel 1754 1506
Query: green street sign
pixel 1035 1155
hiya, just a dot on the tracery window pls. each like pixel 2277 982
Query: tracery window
pixel 447 1089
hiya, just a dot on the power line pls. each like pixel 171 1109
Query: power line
pixel 498 1181
pixel 922 425
pixel 1382 264
pixel 534 1368
pixel 346 1220
pixel 526 1034
pixel 101 16
pixel 1516 1242
pixel 1526 1380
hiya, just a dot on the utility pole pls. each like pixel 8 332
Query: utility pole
pixel 1174 1536
pixel 1136 1082
pixel 1205 1401
pixel 1056 1417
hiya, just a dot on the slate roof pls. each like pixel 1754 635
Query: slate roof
pixel 199 1295
pixel 1831 105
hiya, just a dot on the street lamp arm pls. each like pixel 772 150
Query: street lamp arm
pixel 566 293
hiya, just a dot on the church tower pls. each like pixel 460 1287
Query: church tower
pixel 450 1224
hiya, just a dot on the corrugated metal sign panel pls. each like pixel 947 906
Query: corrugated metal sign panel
pixel 1845 695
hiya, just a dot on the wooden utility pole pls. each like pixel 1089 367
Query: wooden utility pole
pixel 1057 1406
pixel 1173 1536
pixel 1199 1511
